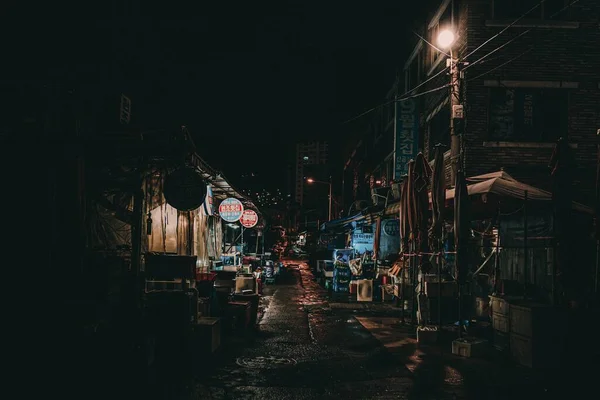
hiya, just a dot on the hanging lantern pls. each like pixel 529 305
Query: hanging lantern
pixel 184 189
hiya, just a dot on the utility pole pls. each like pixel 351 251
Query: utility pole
pixel 457 114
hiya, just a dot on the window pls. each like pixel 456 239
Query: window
pixel 515 8
pixel 532 115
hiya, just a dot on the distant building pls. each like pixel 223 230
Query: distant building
pixel 314 154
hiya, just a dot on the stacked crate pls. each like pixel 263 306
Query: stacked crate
pixel 341 279
pixel 500 322
pixel 536 331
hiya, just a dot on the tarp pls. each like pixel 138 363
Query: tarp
pixel 341 223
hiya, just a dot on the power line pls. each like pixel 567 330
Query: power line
pixel 496 49
pixel 505 29
pixel 393 101
pixel 501 65
pixel 516 37
pixel 426 81
pixel 397 98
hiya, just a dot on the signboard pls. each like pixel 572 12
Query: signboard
pixel 184 189
pixel 249 219
pixel 207 206
pixel 231 209
pixel 406 138
pixel 391 227
pixel 362 242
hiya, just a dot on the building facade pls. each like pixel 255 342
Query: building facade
pixel 369 165
pixel 311 157
pixel 536 81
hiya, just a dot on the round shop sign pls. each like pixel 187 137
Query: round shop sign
pixel 184 189
pixel 391 227
pixel 231 209
pixel 249 219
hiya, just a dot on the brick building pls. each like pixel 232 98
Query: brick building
pixel 539 82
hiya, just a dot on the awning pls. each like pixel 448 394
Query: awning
pixel 502 184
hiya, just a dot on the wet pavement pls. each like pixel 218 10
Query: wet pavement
pixel 308 347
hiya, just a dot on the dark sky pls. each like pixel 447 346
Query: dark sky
pixel 249 79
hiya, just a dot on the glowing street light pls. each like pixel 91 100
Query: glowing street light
pixel 446 38
pixel 311 180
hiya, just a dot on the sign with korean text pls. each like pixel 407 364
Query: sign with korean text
pixel 231 209
pixel 249 218
pixel 391 227
pixel 362 242
pixel 406 136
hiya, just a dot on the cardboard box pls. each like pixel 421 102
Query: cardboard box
pixel 207 334
pixel 499 305
pixel 469 347
pixel 500 322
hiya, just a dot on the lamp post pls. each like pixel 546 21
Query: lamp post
pixel 311 180
pixel 446 38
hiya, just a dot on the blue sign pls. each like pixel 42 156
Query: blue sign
pixel 207 207
pixel 406 136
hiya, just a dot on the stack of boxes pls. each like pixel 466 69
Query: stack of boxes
pixel 536 333
pixel 341 279
pixel 500 322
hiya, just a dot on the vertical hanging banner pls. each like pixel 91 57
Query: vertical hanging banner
pixel 406 136
pixel 207 207
pixel 231 209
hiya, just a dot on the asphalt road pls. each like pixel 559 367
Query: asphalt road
pixel 305 349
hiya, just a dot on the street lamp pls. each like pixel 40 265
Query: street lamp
pixel 311 180
pixel 445 38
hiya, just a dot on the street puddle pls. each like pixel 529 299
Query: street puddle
pixel 265 362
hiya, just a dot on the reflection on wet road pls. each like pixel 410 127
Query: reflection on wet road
pixel 307 346
pixel 304 350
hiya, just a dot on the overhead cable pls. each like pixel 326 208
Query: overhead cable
pixel 495 50
pixel 501 65
pixel 516 37
pixel 504 30
pixel 393 101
